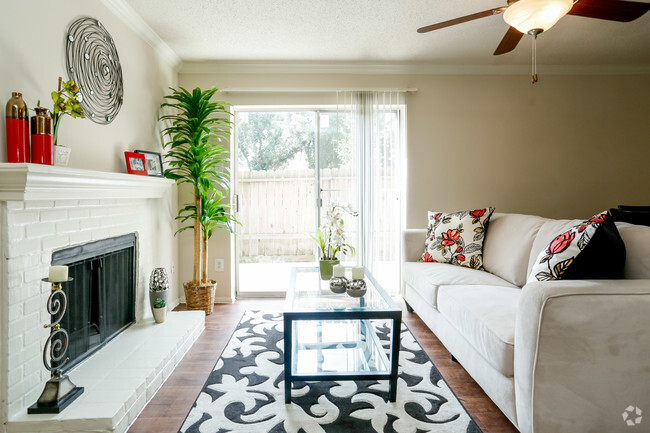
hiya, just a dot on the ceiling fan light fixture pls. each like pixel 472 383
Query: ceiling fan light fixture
pixel 527 15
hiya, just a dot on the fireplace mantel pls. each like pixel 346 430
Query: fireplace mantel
pixel 23 181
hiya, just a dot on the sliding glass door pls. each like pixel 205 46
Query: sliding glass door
pixel 279 191
pixel 289 167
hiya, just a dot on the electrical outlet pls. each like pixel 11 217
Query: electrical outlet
pixel 218 265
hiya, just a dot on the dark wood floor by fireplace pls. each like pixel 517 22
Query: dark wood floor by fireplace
pixel 167 411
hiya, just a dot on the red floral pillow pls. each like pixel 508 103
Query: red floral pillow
pixel 457 238
pixel 592 249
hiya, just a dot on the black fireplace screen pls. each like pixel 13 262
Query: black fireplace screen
pixel 101 296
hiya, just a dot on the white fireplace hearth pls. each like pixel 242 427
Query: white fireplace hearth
pixel 44 209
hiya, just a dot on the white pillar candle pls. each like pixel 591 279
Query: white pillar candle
pixel 338 270
pixel 58 274
pixel 357 273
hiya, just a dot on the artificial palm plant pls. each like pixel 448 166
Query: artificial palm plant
pixel 196 156
pixel 213 215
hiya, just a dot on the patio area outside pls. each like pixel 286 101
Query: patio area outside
pixel 268 278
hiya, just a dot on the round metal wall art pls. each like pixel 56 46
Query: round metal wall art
pixel 94 66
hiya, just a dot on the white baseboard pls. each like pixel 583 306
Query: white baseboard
pixel 224 300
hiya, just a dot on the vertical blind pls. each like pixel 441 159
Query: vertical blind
pixel 377 126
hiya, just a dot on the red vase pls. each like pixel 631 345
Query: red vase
pixel 42 145
pixel 17 129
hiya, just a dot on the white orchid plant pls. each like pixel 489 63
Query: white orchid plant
pixel 330 236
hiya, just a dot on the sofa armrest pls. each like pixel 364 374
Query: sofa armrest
pixel 413 244
pixel 582 354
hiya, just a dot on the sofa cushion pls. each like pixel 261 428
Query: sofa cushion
pixel 637 246
pixel 547 232
pixel 639 215
pixel 426 278
pixel 457 238
pixel 485 316
pixel 507 246
pixel 591 249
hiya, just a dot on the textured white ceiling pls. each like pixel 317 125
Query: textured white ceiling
pixel 379 31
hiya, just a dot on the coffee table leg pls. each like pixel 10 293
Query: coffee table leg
pixel 288 335
pixel 394 359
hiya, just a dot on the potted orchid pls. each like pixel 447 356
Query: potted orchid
pixel 66 101
pixel 330 238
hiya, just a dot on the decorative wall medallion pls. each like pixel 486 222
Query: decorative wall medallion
pixel 94 65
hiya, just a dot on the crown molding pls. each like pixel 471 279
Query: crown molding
pixel 216 67
pixel 135 22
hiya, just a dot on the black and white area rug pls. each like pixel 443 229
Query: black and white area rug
pixel 245 392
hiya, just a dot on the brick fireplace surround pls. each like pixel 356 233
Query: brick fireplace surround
pixel 44 209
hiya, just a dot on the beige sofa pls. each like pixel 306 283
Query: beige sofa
pixel 557 356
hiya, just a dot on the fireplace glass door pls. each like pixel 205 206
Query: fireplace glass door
pixel 101 296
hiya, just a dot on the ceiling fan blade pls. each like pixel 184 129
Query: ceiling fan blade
pixel 509 41
pixel 460 20
pixel 612 10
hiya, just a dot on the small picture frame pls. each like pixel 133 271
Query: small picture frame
pixel 154 163
pixel 135 163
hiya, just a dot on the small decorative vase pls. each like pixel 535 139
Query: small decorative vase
pixel 338 284
pixel 160 314
pixel 17 123
pixel 326 268
pixel 158 280
pixel 158 286
pixel 357 288
pixel 42 145
pixel 61 155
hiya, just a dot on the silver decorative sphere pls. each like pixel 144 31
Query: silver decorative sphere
pixel 357 288
pixel 338 284
pixel 159 280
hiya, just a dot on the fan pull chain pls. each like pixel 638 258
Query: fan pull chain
pixel 533 78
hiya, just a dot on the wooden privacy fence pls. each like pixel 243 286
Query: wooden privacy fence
pixel 278 213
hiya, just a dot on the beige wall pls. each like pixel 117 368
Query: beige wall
pixel 32 44
pixel 567 147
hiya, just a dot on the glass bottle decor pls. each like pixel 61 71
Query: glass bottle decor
pixel 17 122
pixel 42 145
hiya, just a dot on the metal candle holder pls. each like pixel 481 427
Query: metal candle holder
pixel 59 391
pixel 356 288
pixel 338 284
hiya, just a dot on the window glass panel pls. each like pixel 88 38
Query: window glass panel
pixel 276 188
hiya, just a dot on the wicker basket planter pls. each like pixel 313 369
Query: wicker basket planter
pixel 200 296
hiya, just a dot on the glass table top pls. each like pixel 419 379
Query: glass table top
pixel 308 292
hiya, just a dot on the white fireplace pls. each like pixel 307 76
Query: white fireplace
pixel 44 209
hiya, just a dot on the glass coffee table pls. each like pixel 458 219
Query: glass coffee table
pixel 329 336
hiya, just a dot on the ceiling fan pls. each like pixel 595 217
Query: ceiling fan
pixel 535 16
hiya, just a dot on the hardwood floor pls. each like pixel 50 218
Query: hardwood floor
pixel 167 411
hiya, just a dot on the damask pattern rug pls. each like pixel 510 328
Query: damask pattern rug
pixel 245 392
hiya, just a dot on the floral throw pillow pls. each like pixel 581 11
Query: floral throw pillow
pixel 457 238
pixel 592 249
